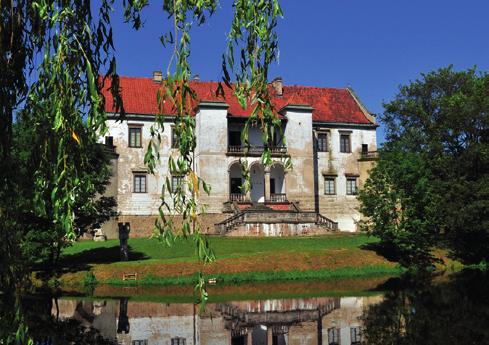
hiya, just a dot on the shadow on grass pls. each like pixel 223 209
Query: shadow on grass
pixel 380 249
pixel 82 261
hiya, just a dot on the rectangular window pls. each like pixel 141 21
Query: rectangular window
pixel 356 335
pixel 333 336
pixel 322 142
pixel 329 186
pixel 174 138
pixel 175 182
pixel 135 137
pixel 345 145
pixel 351 186
pixel 139 183
pixel 140 342
pixel 364 149
pixel 178 341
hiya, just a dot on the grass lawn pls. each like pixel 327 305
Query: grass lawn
pixel 239 260
pixel 224 247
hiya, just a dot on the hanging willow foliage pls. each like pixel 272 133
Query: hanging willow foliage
pixel 52 53
pixel 253 33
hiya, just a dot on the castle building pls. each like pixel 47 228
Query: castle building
pixel 329 135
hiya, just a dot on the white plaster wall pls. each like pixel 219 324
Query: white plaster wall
pixel 300 180
pixel 131 159
pixel 211 160
pixel 160 330
pixel 341 207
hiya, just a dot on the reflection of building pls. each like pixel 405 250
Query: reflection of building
pixel 324 321
pixel 329 135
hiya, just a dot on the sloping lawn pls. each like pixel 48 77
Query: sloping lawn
pixel 238 260
pixel 224 247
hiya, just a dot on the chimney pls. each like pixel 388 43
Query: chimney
pixel 278 85
pixel 157 76
pixel 196 77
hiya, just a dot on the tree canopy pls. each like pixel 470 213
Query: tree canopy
pixel 431 184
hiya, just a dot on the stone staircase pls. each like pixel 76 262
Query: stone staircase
pixel 260 220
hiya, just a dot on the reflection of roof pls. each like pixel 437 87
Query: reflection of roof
pixel 329 104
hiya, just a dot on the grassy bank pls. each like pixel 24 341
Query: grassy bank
pixel 245 291
pixel 239 260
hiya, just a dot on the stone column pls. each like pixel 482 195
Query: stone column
pixel 269 335
pixel 267 184
pixel 249 337
pixel 248 195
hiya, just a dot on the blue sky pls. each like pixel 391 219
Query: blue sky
pixel 373 46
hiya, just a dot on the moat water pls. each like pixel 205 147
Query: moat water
pixel 452 310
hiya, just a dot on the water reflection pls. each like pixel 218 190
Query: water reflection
pixel 415 311
pixel 326 320
pixel 409 312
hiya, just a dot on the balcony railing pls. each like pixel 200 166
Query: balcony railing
pixel 369 155
pixel 237 197
pixel 255 150
pixel 278 197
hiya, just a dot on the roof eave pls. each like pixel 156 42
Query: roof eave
pixel 296 107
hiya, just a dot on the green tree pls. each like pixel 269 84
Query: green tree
pixel 435 165
pixel 401 207
pixel 69 46
pixel 41 240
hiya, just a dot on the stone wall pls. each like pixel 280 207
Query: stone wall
pixel 142 226
pixel 277 229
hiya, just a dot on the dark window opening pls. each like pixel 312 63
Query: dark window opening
pixel 234 138
pixel 272 186
pixel 333 336
pixel 356 335
pixel 364 149
pixel 178 341
pixel 351 186
pixel 345 145
pixel 236 185
pixel 239 340
pixel 140 342
pixel 140 183
pixel 176 181
pixel 135 137
pixel 329 186
pixel 322 142
pixel 174 139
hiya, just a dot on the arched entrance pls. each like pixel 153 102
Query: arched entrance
pixel 277 179
pixel 257 175
pixel 235 183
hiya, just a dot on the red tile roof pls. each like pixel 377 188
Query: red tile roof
pixel 329 104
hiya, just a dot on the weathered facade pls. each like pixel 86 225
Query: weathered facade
pixel 328 134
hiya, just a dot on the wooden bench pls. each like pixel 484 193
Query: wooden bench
pixel 129 276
